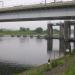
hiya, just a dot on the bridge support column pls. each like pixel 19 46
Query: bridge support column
pixel 67 31
pixel 50 35
pixel 62 43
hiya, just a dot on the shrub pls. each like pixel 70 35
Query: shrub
pixel 54 64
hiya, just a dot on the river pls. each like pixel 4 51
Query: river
pixel 27 51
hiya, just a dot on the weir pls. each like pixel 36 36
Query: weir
pixel 64 36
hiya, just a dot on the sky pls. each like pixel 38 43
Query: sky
pixel 27 24
pixel 26 2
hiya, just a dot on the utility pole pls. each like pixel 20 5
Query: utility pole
pixel 45 2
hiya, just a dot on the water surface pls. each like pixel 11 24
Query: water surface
pixel 27 51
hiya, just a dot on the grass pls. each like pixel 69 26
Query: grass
pixel 71 67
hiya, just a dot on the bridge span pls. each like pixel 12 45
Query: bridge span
pixel 50 11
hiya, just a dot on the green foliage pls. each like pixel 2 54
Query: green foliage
pixel 1 30
pixel 36 71
pixel 55 31
pixel 24 29
pixel 60 62
pixel 39 30
pixel 73 51
pixel 54 64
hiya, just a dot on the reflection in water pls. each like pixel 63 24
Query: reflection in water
pixel 49 44
pixel 53 49
pixel 1 39
pixel 23 39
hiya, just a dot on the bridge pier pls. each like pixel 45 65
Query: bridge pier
pixel 50 35
pixel 61 43
pixel 64 39
pixel 67 32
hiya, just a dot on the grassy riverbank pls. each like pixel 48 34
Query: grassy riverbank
pixel 17 33
pixel 62 66
pixel 40 70
pixel 71 66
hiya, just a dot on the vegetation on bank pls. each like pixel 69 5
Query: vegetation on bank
pixel 40 70
pixel 71 68
pixel 67 63
pixel 25 31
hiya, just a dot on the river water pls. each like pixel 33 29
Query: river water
pixel 27 51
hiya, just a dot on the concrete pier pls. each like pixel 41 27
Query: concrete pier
pixel 50 30
pixel 61 40
pixel 50 36
pixel 67 32
pixel 64 36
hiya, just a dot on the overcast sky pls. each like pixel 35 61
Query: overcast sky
pixel 28 24
pixel 26 2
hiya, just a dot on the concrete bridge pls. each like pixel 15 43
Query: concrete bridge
pixel 50 11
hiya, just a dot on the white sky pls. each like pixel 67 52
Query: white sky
pixel 26 2
pixel 28 24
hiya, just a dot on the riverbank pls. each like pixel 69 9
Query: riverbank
pixel 62 66
pixel 68 68
pixel 30 33
pixel 40 70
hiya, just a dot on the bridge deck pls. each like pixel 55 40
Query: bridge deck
pixel 39 6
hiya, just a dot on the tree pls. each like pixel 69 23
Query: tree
pixel 27 29
pixel 39 30
pixel 22 29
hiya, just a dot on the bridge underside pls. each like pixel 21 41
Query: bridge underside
pixel 39 18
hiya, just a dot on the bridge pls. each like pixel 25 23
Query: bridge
pixel 50 11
